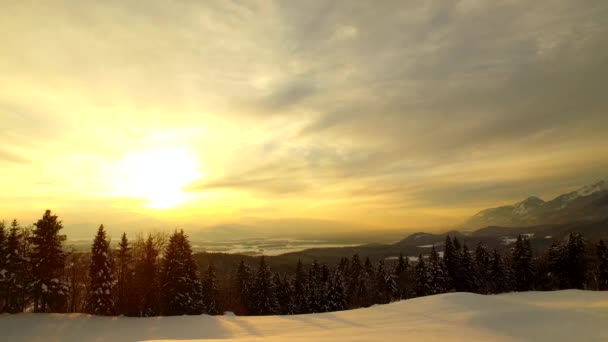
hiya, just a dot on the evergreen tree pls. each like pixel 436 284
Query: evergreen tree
pixel 301 290
pixel 180 284
pixel 482 264
pixel 16 268
pixel 468 273
pixel 382 291
pixel 264 300
pixel 100 300
pixel 315 288
pixel 500 277
pixel 337 298
pixel 47 258
pixel 244 283
pixel 576 263
pixel 357 285
pixel 3 271
pixel 523 264
pixel 211 292
pixel 557 265
pixel 402 276
pixel 424 281
pixel 124 273
pixel 437 272
pixel 146 283
pixel 601 251
pixel 284 294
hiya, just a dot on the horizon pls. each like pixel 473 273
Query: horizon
pixel 324 117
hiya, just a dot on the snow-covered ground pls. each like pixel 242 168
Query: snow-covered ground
pixel 534 316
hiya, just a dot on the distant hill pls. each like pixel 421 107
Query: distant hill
pixel 589 203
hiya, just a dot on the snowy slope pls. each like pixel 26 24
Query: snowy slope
pixel 534 316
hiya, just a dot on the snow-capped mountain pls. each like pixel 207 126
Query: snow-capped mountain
pixel 587 203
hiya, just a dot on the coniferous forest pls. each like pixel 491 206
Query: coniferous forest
pixel 155 275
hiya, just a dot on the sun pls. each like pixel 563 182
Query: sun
pixel 157 176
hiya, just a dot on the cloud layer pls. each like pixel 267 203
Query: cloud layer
pixel 392 114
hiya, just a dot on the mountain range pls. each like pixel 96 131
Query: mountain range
pixel 589 203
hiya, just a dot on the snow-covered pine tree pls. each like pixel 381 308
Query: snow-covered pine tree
pixel 284 294
pixel 468 272
pixel 315 288
pixel 357 284
pixel 100 300
pixel 180 284
pixel 211 292
pixel 523 265
pixel 3 270
pixel 124 279
pixel 243 288
pixel 601 251
pixel 337 298
pixel 451 259
pixel 15 270
pixel 438 273
pixel 264 299
pixel 423 278
pixel 301 289
pixel 482 264
pixel 381 295
pixel 146 281
pixel 402 276
pixel 557 266
pixel 47 258
pixel 500 276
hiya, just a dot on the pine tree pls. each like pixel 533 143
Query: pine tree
pixel 601 251
pixel 557 265
pixel 181 292
pixel 402 276
pixel 451 259
pixel 47 258
pixel 147 287
pixel 423 278
pixel 284 294
pixel 3 271
pixel 576 263
pixel 15 275
pixel 301 289
pixel 211 292
pixel 315 288
pixel 264 300
pixel 482 264
pixel 523 265
pixel 124 273
pixel 500 276
pixel 382 291
pixel 357 283
pixel 437 272
pixel 100 300
pixel 470 278
pixel 243 287
pixel 337 297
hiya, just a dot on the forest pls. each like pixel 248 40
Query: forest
pixel 158 275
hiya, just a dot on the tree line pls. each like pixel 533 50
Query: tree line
pixel 152 276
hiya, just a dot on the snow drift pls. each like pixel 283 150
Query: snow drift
pixel 570 315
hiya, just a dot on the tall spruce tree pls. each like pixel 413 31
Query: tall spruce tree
pixel 337 298
pixel 284 294
pixel 100 300
pixel 601 251
pixel 180 284
pixel 439 281
pixel 3 271
pixel 264 299
pixel 125 301
pixel 424 280
pixel 468 273
pixel 301 289
pixel 576 263
pixel 146 280
pixel 47 258
pixel 500 276
pixel 482 264
pixel 211 292
pixel 243 287
pixel 15 266
pixel 523 265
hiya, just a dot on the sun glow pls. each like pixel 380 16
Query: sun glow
pixel 157 176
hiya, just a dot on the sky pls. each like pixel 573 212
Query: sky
pixel 372 114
